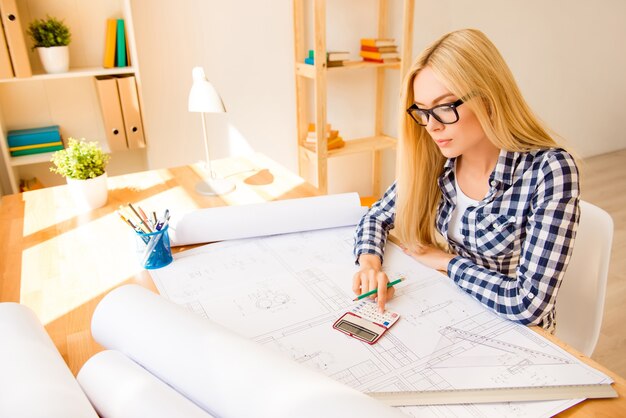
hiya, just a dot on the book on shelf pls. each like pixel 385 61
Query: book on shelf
pixel 30 184
pixel 378 42
pixel 329 64
pixel 379 55
pixel 110 42
pixel 312 137
pixel 391 48
pixel 382 61
pixel 332 137
pixel 36 150
pixel 337 56
pixel 335 143
pixel 121 49
pixel 333 58
pixel 311 129
pixel 35 146
pixel 42 135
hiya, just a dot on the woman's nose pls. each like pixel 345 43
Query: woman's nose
pixel 433 124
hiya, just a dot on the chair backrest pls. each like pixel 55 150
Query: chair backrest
pixel 580 301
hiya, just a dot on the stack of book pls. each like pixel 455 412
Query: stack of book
pixel 116 47
pixel 30 184
pixel 379 50
pixel 34 141
pixel 333 58
pixel 333 139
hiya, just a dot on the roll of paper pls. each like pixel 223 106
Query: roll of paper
pixel 119 388
pixel 222 372
pixel 34 380
pixel 262 219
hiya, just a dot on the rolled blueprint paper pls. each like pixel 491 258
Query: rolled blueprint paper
pixel 262 219
pixel 222 372
pixel 34 380
pixel 120 388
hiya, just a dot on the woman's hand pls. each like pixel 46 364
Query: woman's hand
pixel 369 277
pixel 430 256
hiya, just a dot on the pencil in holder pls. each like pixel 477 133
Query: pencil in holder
pixel 153 249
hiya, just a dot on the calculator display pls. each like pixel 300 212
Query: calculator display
pixel 356 330
pixel 365 323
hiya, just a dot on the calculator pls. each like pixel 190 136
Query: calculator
pixel 365 323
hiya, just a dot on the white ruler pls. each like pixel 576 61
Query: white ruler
pixel 519 394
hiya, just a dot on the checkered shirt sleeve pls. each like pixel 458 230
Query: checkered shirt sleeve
pixel 527 294
pixel 372 231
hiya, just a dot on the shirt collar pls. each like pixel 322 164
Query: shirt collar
pixel 505 167
pixel 502 173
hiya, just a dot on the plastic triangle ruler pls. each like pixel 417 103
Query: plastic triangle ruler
pixel 491 395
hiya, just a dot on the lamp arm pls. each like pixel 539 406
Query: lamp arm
pixel 206 146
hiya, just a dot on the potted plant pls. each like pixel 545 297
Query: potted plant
pixel 83 165
pixel 51 38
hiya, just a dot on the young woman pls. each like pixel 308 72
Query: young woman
pixel 476 167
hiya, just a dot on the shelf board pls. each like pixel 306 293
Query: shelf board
pixel 74 73
pixel 44 157
pixel 355 146
pixel 308 71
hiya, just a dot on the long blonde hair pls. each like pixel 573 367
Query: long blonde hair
pixel 468 64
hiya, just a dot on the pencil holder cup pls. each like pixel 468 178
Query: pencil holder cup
pixel 153 249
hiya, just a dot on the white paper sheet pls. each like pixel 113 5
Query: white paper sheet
pixel 225 374
pixel 34 380
pixel 261 219
pixel 285 291
pixel 119 388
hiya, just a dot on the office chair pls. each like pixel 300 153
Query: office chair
pixel 580 301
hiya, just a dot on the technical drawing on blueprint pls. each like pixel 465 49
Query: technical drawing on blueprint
pixel 285 291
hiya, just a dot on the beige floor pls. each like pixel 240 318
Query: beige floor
pixel 604 185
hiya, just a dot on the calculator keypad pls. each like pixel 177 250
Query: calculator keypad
pixel 369 310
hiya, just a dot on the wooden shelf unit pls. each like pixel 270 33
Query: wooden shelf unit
pixel 317 74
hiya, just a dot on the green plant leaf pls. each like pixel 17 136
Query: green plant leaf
pixel 49 32
pixel 80 160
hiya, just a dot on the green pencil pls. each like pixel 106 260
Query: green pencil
pixel 373 292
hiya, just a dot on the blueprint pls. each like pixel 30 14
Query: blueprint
pixel 286 291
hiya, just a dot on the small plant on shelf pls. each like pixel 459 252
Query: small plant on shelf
pixel 81 160
pixel 51 38
pixel 49 32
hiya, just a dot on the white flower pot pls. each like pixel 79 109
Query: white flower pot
pixel 55 59
pixel 90 193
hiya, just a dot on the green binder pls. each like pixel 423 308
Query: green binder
pixel 120 48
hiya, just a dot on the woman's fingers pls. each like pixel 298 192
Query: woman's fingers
pixel 381 279
pixel 364 281
pixel 356 282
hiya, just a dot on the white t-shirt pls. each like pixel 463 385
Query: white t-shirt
pixel 462 203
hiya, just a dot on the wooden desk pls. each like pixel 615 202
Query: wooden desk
pixel 61 262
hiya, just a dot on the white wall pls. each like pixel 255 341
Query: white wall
pixel 567 56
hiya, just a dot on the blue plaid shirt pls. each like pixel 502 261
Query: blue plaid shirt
pixel 516 242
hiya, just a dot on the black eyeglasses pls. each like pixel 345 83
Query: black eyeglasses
pixel 445 113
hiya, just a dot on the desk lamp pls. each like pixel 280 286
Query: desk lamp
pixel 203 98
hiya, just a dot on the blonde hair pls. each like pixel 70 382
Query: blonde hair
pixel 468 64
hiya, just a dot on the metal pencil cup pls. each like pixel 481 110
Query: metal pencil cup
pixel 153 249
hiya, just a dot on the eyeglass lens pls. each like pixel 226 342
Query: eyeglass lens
pixel 444 114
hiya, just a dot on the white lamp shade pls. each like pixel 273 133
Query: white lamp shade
pixel 203 97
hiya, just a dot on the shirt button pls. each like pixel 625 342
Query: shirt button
pixel 494 183
pixel 530 296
